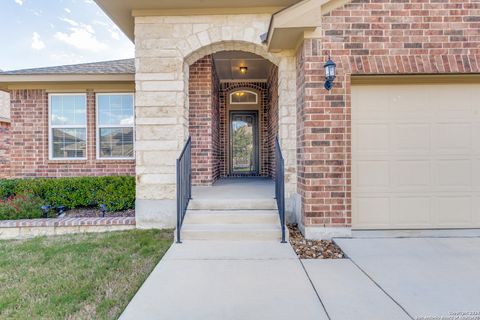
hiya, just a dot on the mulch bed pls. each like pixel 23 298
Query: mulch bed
pixel 95 212
pixel 313 249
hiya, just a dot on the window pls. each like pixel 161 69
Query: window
pixel 243 97
pixel 115 126
pixel 67 126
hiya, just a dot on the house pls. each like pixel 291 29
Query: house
pixel 395 144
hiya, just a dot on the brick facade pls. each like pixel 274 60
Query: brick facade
pixel 368 38
pixel 29 141
pixel 204 122
pixel 5 145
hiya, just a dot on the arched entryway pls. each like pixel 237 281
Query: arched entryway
pixel 232 115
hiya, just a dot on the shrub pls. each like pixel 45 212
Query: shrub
pixel 117 192
pixel 20 207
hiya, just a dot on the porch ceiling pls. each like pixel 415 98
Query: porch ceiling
pixel 123 11
pixel 228 63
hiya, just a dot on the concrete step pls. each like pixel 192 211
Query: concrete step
pixel 232 217
pixel 235 204
pixel 226 232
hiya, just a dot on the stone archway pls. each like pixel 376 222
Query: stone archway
pixel 165 47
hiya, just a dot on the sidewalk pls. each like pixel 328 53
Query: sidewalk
pixel 227 280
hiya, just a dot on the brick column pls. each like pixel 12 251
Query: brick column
pixel 204 121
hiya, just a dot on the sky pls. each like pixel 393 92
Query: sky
pixel 41 33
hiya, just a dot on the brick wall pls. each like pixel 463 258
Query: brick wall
pixel 272 120
pixel 5 144
pixel 368 37
pixel 204 121
pixel 29 141
pixel 263 117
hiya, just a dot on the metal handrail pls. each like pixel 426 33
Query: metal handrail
pixel 280 185
pixel 184 184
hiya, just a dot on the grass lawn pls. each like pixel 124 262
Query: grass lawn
pixel 84 276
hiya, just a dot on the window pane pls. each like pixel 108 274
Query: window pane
pixel 115 109
pixel 68 110
pixel 116 142
pixel 243 97
pixel 69 143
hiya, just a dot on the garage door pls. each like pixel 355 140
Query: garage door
pixel 416 156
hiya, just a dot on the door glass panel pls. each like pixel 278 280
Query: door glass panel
pixel 243 143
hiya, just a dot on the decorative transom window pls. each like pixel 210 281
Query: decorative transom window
pixel 115 126
pixel 243 97
pixel 67 126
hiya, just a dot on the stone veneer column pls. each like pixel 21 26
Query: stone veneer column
pixel 165 47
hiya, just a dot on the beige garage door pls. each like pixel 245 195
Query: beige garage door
pixel 416 156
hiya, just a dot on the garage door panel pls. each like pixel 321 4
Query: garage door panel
pixel 452 174
pixel 411 137
pixel 452 138
pixel 372 175
pixel 476 174
pixel 411 210
pixel 411 174
pixel 475 140
pixel 372 212
pixel 452 211
pixel 416 156
pixel 372 137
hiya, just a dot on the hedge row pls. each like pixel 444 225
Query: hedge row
pixel 117 192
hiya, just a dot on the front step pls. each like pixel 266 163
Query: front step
pixel 232 204
pixel 232 232
pixel 232 217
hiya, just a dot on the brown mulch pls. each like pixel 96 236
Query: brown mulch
pixel 95 212
pixel 313 249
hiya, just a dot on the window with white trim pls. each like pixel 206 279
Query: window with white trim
pixel 67 126
pixel 115 126
pixel 243 97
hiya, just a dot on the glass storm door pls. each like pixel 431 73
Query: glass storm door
pixel 243 143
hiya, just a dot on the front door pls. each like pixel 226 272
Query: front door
pixel 243 143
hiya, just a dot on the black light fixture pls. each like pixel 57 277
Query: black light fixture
pixel 45 209
pixel 243 70
pixel 103 209
pixel 330 68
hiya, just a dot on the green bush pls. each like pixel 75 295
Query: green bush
pixel 117 192
pixel 21 207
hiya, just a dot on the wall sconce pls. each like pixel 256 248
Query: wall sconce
pixel 330 67
pixel 243 70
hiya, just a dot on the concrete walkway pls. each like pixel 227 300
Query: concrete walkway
pixel 395 279
pixel 227 280
pixel 428 277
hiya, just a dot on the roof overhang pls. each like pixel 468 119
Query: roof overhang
pixel 15 80
pixel 122 12
pixel 288 27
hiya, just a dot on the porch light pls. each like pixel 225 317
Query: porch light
pixel 330 67
pixel 243 70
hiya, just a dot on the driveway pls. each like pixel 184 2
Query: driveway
pixel 388 278
pixel 428 277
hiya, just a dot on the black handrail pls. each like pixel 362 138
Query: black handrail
pixel 184 184
pixel 280 186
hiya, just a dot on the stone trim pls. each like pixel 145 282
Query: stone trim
pixel 28 228
pixel 67 222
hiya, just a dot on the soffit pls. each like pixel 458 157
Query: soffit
pixel 122 11
pixel 228 63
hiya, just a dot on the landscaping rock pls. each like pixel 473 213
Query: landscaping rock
pixel 313 249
